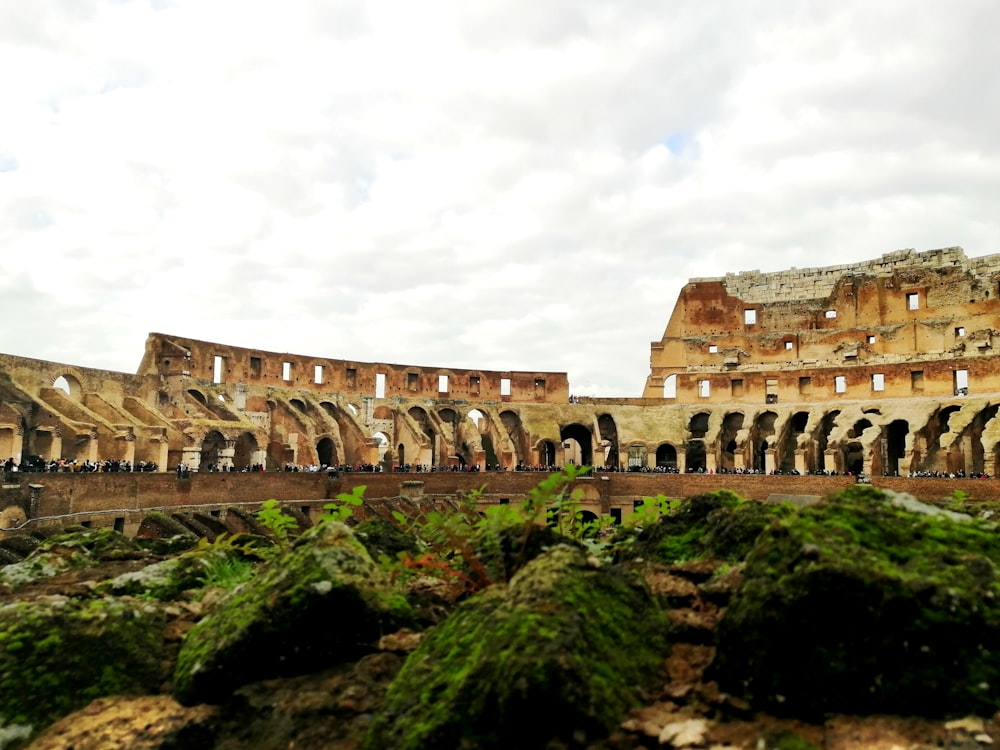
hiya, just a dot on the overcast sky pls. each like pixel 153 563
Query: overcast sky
pixel 516 185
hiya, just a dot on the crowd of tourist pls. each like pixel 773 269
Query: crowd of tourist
pixel 37 464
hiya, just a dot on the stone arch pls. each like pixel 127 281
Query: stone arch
pixel 299 404
pixel 895 447
pixel 763 440
pixel 198 396
pixel 826 425
pixel 698 424
pixel 246 451
pixel 214 451
pixel 666 457
pixel 695 458
pixel 638 456
pixel 326 452
pixel 546 453
pixel 729 446
pixel 670 386
pixel 609 440
pixel 69 385
pixel 582 453
pixel 515 437
pixel 854 458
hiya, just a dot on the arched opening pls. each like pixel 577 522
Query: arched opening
pixel 823 439
pixel 637 457
pixel 330 409
pixel 198 396
pixel 695 456
pixel 212 448
pixel 895 447
pixel 383 445
pixel 401 454
pixel 670 386
pixel 979 423
pixel 298 404
pixel 860 426
pixel 68 385
pixel 609 439
pixel 698 425
pixel 666 457
pixel 582 452
pixel 326 452
pixel 763 439
pixel 354 409
pixel 245 451
pixel 732 423
pixel 547 453
pixel 854 458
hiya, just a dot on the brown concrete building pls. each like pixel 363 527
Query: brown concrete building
pixel 884 367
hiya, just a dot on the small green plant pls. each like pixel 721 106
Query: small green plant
pixel 275 520
pixel 227 572
pixel 650 510
pixel 343 507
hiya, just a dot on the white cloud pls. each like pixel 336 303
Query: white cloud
pixel 498 185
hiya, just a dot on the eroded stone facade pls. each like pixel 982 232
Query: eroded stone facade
pixel 880 367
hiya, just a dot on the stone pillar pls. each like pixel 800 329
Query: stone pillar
pixel 967 455
pixel 769 460
pixel 833 460
pixel 800 461
pixel 226 455
pixel 682 459
pixel 710 463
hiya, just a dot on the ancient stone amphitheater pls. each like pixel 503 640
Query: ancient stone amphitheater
pixel 884 369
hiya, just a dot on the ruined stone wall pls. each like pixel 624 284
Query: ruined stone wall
pixel 792 334
pixel 173 357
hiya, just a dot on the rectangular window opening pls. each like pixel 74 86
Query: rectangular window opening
pixel 917 381
pixel 870 339
pixel 504 386
pixel 218 367
pixel 959 332
pixel 539 388
pixel 789 345
pixel 286 371
pixel 912 301
pixel 840 384
pixel 878 381
pixel 805 385
pixel 704 388
pixel 442 383
pixel 831 313
pixel 474 384
pixel 961 382
pixel 737 386
pixel 255 367
pixel 412 382
pixel 379 385
pixel 749 317
pixel 318 374
pixel 351 376
pixel 713 349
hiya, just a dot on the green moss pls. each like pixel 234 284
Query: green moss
pixel 859 604
pixel 320 603
pixel 564 650
pixel 716 524
pixel 56 655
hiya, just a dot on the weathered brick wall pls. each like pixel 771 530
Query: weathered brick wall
pixel 63 494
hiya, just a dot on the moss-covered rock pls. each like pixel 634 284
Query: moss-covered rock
pixel 58 654
pixel 383 538
pixel 716 524
pixel 867 603
pixel 168 579
pixel 559 653
pixel 504 550
pixel 320 603
pixel 99 544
